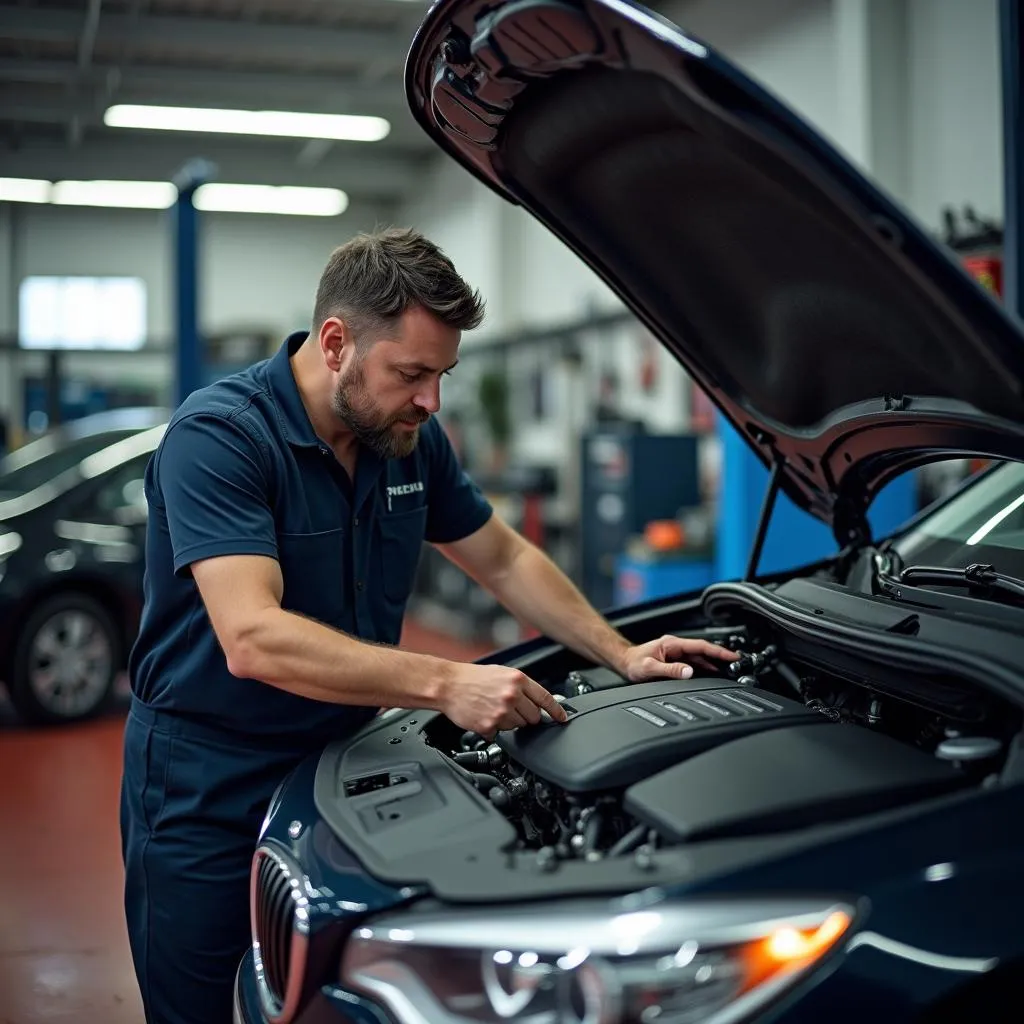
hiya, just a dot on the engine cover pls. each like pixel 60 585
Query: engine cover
pixel 617 737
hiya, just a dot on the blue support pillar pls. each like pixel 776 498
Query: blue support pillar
pixel 794 538
pixel 185 220
pixel 1012 60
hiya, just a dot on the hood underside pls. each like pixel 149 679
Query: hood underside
pixel 837 337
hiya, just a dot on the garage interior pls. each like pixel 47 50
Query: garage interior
pixel 563 408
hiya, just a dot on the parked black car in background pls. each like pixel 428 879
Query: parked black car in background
pixel 72 530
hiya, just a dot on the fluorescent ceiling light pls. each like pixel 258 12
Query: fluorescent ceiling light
pixel 286 199
pixel 218 197
pixel 139 195
pixel 24 190
pixel 345 127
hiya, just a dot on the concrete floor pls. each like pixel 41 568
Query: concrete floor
pixel 63 949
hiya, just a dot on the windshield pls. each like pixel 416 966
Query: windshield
pixel 40 461
pixel 984 523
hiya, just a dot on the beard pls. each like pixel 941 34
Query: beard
pixel 354 406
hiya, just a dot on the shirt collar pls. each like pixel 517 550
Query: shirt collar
pixel 297 426
pixel 285 392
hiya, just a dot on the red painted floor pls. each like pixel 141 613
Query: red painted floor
pixel 63 950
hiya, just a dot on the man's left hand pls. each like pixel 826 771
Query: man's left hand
pixel 673 657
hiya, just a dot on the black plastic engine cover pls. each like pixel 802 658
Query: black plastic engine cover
pixel 787 778
pixel 617 737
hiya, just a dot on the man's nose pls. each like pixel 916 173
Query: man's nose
pixel 428 398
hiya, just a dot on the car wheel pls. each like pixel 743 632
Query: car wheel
pixel 66 660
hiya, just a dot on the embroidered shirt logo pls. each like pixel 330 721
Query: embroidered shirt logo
pixel 400 489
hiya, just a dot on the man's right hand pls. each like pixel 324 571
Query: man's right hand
pixel 487 698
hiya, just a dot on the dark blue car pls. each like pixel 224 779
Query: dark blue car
pixel 72 543
pixel 831 830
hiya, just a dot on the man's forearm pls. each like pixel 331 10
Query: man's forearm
pixel 536 591
pixel 308 658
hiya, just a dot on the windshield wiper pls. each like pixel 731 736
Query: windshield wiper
pixel 977 576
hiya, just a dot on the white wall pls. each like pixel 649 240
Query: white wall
pixel 551 284
pixel 464 218
pixel 955 104
pixel 266 274
pixel 788 46
pixel 909 89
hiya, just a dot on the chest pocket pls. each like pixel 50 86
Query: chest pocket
pixel 313 566
pixel 401 538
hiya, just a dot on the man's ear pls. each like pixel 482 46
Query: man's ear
pixel 336 343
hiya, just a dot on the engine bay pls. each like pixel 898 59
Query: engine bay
pixel 814 726
pixel 771 744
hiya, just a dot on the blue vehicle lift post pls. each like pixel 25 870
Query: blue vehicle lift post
pixel 188 360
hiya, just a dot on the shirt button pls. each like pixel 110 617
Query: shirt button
pixel 359 584
pixel 355 522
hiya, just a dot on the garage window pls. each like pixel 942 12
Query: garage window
pixel 82 313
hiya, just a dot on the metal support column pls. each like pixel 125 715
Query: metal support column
pixel 188 350
pixel 54 387
pixel 793 537
pixel 1011 15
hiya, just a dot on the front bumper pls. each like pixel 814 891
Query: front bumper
pixel 330 1005
pixel 246 1005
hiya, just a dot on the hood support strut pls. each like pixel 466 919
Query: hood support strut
pixel 767 507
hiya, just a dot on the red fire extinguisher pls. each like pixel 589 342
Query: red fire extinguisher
pixel 986 268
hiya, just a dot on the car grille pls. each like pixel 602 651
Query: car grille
pixel 279 924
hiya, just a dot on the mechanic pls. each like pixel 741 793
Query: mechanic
pixel 288 505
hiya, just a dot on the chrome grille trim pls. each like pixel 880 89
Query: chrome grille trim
pixel 279 917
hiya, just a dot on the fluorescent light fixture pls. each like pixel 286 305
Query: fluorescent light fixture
pixel 285 199
pixel 291 124
pixel 139 195
pixel 220 197
pixel 24 190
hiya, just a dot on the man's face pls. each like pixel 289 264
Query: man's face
pixel 394 387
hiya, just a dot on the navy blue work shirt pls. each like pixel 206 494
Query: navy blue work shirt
pixel 241 471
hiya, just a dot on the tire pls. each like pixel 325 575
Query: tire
pixel 66 660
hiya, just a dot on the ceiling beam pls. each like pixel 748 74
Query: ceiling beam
pixel 378 177
pixel 263 90
pixel 217 37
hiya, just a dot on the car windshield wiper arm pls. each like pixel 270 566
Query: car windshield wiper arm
pixel 977 576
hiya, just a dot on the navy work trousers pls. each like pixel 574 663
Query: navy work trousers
pixel 192 803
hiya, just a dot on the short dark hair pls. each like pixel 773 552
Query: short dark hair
pixel 371 280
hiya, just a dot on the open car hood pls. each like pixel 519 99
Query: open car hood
pixel 836 336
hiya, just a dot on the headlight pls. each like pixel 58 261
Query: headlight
pixel 667 963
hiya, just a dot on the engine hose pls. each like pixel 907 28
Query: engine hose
pixel 486 782
pixel 628 842
pixel 591 832
pixel 472 741
pixel 789 675
pixel 476 779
